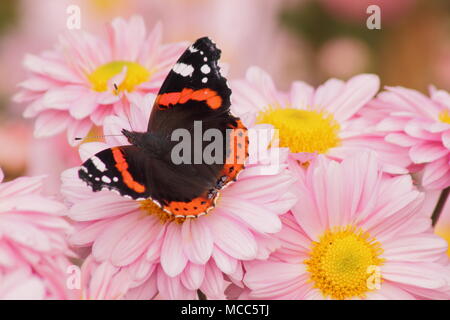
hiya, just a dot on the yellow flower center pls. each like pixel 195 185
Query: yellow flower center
pixel 444 116
pixel 136 74
pixel 303 130
pixel 345 263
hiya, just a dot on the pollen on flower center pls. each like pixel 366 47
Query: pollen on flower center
pixel 303 130
pixel 338 264
pixel 136 74
pixel 151 208
pixel 444 116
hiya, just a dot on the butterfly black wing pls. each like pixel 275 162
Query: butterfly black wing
pixel 194 90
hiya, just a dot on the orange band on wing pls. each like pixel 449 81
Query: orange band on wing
pixel 213 100
pixel 122 166
pixel 194 207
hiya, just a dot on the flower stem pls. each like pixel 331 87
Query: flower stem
pixel 439 206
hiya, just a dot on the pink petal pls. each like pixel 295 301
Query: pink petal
pixel 146 291
pixel 392 124
pixel 418 129
pixel 401 139
pixel 78 129
pixel 427 152
pixel 107 241
pixel 62 98
pixel 21 285
pixel 32 203
pixel 135 241
pixel 50 68
pixel 357 92
pixel 262 187
pixel 140 270
pixel 197 240
pixel 416 101
pixel 268 273
pixel 420 247
pixel 301 95
pixel 213 284
pixel 416 274
pixel 113 126
pixel 224 262
pixel 192 276
pixel 251 214
pixel 283 204
pixel 327 92
pixel 38 83
pixel 276 280
pixel 22 186
pixel 149 47
pixel 305 212
pixel 102 206
pixel 25 235
pixel 135 35
pixel 89 149
pixel 263 81
pixel 26 96
pixel 84 105
pixel 173 260
pixel 172 288
pixel 231 237
pixel 389 291
pixel 436 175
pixel 106 98
pixel 101 278
pixel 34 108
pixel 446 139
pixel 86 235
pixel 50 123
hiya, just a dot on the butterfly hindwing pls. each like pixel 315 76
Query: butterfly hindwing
pixel 117 169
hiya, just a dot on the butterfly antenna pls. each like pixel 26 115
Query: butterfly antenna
pixel 98 137
pixel 126 105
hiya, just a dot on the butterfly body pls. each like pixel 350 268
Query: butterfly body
pixel 194 93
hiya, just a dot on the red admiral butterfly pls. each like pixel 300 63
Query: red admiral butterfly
pixel 194 90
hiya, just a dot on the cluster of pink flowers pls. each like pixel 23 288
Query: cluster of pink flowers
pixel 34 253
pixel 350 220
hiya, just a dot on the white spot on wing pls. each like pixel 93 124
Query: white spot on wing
pixel 106 179
pixel 205 69
pixel 98 164
pixel 193 49
pixel 205 79
pixel 115 179
pixel 183 69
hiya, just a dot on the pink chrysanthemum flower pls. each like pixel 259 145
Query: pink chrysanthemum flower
pixel 354 233
pixel 322 120
pixel 143 251
pixel 421 125
pixel 82 80
pixel 33 247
